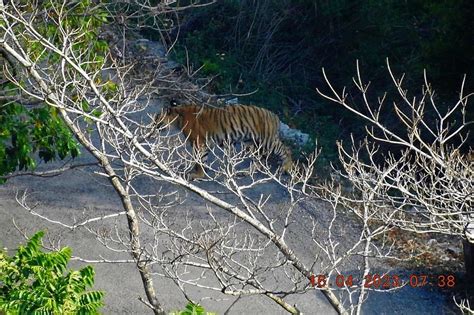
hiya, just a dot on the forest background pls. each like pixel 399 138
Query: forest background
pixel 275 51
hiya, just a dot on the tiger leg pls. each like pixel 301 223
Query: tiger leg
pixel 196 173
pixel 287 164
pixel 198 170
pixel 249 147
pixel 284 154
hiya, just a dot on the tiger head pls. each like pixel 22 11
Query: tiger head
pixel 170 115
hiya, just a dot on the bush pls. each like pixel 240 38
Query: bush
pixel 34 282
pixel 192 309
pixel 30 130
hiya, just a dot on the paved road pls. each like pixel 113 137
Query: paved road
pixel 79 191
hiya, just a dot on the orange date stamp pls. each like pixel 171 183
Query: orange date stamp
pixel 385 281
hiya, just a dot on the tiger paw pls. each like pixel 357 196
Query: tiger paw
pixel 194 175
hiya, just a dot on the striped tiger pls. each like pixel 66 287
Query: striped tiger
pixel 233 123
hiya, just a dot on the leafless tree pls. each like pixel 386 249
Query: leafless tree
pixel 161 17
pixel 243 237
pixel 425 183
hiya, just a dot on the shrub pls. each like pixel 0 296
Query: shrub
pixel 37 282
pixel 192 309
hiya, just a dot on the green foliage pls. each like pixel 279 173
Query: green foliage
pixel 192 309
pixel 28 132
pixel 279 47
pixel 206 48
pixel 24 132
pixel 35 282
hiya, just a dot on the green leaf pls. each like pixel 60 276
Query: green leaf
pixel 96 113
pixel 32 282
pixel 85 105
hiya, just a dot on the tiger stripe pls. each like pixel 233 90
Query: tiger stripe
pixel 235 123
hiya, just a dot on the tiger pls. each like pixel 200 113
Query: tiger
pixel 232 123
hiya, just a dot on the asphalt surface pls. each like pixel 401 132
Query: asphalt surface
pixel 79 191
